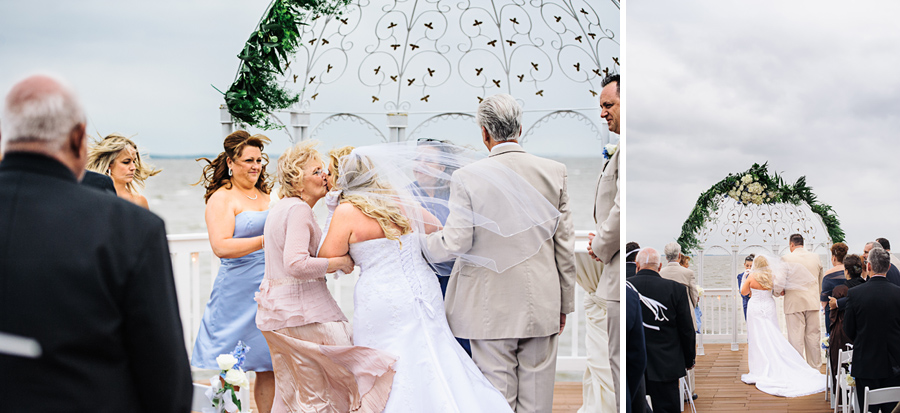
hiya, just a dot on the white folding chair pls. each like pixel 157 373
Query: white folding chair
pixel 684 394
pixel 844 356
pixel 879 396
pixel 199 401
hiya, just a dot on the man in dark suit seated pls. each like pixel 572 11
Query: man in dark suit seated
pixel 84 273
pixel 669 331
pixel 872 321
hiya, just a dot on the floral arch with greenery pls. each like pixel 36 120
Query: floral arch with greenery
pixel 755 186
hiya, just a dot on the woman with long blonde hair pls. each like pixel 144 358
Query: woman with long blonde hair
pixel 237 203
pixel 118 157
pixel 776 367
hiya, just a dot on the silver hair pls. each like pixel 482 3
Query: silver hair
pixel 501 115
pixel 42 117
pixel 672 251
pixel 880 260
pixel 647 257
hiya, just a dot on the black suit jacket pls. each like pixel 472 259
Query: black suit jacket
pixel 635 351
pixel 630 269
pixel 671 347
pixel 99 181
pixel 88 275
pixel 872 321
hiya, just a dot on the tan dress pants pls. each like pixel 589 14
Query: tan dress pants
pixel 804 334
pixel 522 369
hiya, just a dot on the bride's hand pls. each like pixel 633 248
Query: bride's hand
pixel 343 263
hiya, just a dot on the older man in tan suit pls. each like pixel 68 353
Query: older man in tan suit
pixel 512 318
pixel 604 245
pixel 801 307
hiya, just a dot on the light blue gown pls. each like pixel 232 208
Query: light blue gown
pixel 230 313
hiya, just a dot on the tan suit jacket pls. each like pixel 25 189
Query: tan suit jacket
pixel 684 276
pixel 796 301
pixel 606 215
pixel 526 299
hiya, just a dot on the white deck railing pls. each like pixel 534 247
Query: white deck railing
pixel 195 269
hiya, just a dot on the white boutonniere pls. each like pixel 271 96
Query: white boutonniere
pixel 609 150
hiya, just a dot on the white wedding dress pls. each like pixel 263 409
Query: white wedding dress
pixel 399 309
pixel 775 366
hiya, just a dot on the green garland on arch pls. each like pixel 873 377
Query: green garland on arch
pixel 755 185
pixel 255 93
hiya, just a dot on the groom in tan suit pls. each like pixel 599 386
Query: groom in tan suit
pixel 512 318
pixel 801 307
pixel 604 245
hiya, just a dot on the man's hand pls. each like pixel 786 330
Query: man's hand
pixel 562 322
pixel 692 365
pixel 590 251
pixel 832 303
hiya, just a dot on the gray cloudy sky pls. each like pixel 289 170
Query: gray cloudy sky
pixel 809 86
pixel 145 68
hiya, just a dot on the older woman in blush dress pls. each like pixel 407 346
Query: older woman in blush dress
pixel 316 367
pixel 118 157
pixel 237 200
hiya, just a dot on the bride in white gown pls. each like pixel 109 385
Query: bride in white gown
pixel 398 303
pixel 776 367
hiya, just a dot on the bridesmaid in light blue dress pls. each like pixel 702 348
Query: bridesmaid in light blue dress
pixel 237 202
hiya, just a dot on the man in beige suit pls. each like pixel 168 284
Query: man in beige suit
pixel 512 318
pixel 684 276
pixel 801 307
pixel 604 245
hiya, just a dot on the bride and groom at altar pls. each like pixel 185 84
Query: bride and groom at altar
pixel 776 364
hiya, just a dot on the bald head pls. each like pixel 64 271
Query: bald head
pixel 648 259
pixel 41 114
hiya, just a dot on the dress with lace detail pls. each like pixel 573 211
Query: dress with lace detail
pixel 399 309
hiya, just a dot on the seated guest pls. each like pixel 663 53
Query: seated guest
pixel 872 321
pixel 631 252
pixel 669 332
pixel 837 340
pixel 98 297
pixel 748 262
pixel 833 278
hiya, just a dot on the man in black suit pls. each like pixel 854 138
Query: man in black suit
pixel 669 331
pixel 98 181
pixel 872 321
pixel 84 273
pixel 635 352
pixel 631 252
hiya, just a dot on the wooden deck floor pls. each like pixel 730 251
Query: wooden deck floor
pixel 719 386
pixel 566 397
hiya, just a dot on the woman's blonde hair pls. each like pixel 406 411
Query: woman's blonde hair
pixel 381 207
pixel 762 272
pixel 335 161
pixel 102 154
pixel 291 164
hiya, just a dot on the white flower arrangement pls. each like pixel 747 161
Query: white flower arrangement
pixel 224 387
pixel 700 291
pixel 850 381
pixel 748 190
pixel 825 343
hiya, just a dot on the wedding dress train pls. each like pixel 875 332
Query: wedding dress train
pixel 399 309
pixel 775 366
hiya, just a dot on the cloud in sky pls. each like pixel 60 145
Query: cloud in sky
pixel 810 87
pixel 146 68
